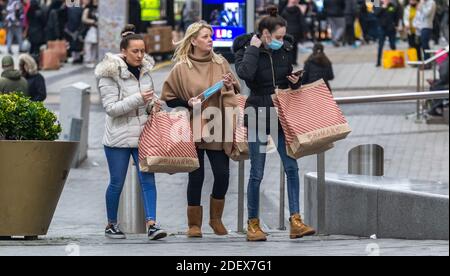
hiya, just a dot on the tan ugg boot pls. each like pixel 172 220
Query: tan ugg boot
pixel 195 219
pixel 216 211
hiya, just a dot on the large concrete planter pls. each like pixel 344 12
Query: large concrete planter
pixel 32 178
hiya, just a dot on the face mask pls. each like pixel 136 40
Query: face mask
pixel 213 89
pixel 275 44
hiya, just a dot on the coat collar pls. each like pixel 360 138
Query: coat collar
pixel 113 65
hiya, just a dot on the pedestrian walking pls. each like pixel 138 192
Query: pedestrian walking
pixel 264 62
pixel 198 68
pixel 127 91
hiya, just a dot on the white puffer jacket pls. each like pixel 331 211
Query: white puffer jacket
pixel 120 91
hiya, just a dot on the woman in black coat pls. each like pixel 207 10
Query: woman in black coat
pixel 295 24
pixel 56 20
pixel 37 89
pixel 318 66
pixel 36 30
pixel 264 62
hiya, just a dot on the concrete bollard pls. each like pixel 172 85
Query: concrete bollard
pixel 75 106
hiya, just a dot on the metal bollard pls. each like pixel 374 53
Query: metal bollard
pixel 241 195
pixel 281 224
pixel 321 194
pixel 131 208
pixel 366 160
pixel 419 89
pixel 446 115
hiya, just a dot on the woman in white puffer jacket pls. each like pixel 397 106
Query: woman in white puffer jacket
pixel 126 90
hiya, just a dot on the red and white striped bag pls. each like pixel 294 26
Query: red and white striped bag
pixel 240 150
pixel 311 119
pixel 166 143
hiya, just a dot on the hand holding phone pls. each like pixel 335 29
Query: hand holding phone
pixel 295 77
pixel 298 73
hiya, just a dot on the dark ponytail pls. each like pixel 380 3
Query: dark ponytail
pixel 318 55
pixel 272 21
pixel 129 33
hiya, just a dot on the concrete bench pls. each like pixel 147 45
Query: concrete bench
pixel 388 207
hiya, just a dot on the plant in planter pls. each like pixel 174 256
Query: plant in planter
pixel 22 119
pixel 33 166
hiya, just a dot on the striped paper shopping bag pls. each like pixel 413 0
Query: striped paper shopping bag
pixel 166 144
pixel 240 150
pixel 311 119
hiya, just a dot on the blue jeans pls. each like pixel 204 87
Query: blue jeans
pixel 258 161
pixel 118 161
pixel 382 38
pixel 14 32
pixel 425 37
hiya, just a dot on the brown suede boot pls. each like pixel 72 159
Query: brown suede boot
pixel 195 218
pixel 215 211
pixel 298 228
pixel 254 232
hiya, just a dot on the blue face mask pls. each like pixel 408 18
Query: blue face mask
pixel 275 44
pixel 213 89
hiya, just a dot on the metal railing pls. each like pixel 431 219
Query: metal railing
pixel 321 169
pixel 421 76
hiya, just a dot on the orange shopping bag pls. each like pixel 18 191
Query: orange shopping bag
pixel 50 60
pixel 3 34
pixel 59 46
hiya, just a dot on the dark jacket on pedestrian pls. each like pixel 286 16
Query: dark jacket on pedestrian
pixel 295 21
pixel 74 16
pixel 263 70
pixel 12 81
pixel 37 23
pixel 37 89
pixel 444 25
pixel 443 82
pixel 56 21
pixel 316 69
pixel 350 12
pixel 389 17
pixel 54 5
pixel 282 5
pixel 134 14
pixel 334 8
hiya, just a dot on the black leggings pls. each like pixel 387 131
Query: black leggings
pixel 220 164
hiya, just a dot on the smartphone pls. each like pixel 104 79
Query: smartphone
pixel 298 73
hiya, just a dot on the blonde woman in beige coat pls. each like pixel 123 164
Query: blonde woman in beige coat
pixel 197 69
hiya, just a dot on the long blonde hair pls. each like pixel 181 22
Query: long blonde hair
pixel 184 47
